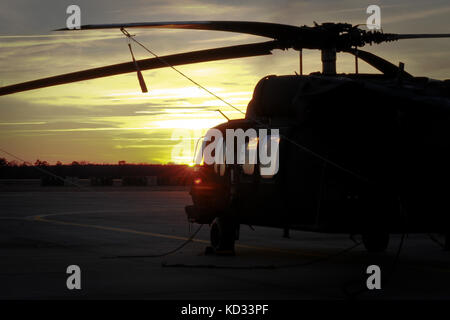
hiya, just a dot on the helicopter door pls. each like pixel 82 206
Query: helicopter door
pixel 300 182
pixel 258 190
pixel 250 154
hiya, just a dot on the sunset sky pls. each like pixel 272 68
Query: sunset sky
pixel 109 119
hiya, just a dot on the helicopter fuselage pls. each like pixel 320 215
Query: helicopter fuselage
pixel 357 153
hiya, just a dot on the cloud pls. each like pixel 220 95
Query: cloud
pixel 88 120
pixel 416 15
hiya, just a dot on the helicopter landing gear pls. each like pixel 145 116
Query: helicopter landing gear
pixel 447 242
pixel 375 241
pixel 223 235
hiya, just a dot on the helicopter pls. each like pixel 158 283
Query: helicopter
pixel 359 153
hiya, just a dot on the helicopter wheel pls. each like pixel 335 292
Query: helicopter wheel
pixel 375 242
pixel 447 242
pixel 223 236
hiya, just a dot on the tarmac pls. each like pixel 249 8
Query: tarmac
pixel 114 233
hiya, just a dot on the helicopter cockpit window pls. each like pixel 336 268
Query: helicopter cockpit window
pixel 212 152
pixel 199 147
pixel 212 142
pixel 269 156
pixel 219 164
pixel 251 149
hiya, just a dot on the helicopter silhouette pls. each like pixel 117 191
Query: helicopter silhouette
pixel 358 153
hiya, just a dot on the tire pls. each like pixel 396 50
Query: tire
pixel 375 242
pixel 447 242
pixel 223 235
pixel 214 235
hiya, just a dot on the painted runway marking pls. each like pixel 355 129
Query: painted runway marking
pixel 42 218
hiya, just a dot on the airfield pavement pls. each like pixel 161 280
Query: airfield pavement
pixel 44 230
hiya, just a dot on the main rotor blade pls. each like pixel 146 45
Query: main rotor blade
pixel 239 51
pixel 264 29
pixel 341 35
pixel 422 36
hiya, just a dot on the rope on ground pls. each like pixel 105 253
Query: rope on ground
pixel 159 255
pixel 267 267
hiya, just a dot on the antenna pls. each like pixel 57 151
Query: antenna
pixel 301 61
pixel 223 114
